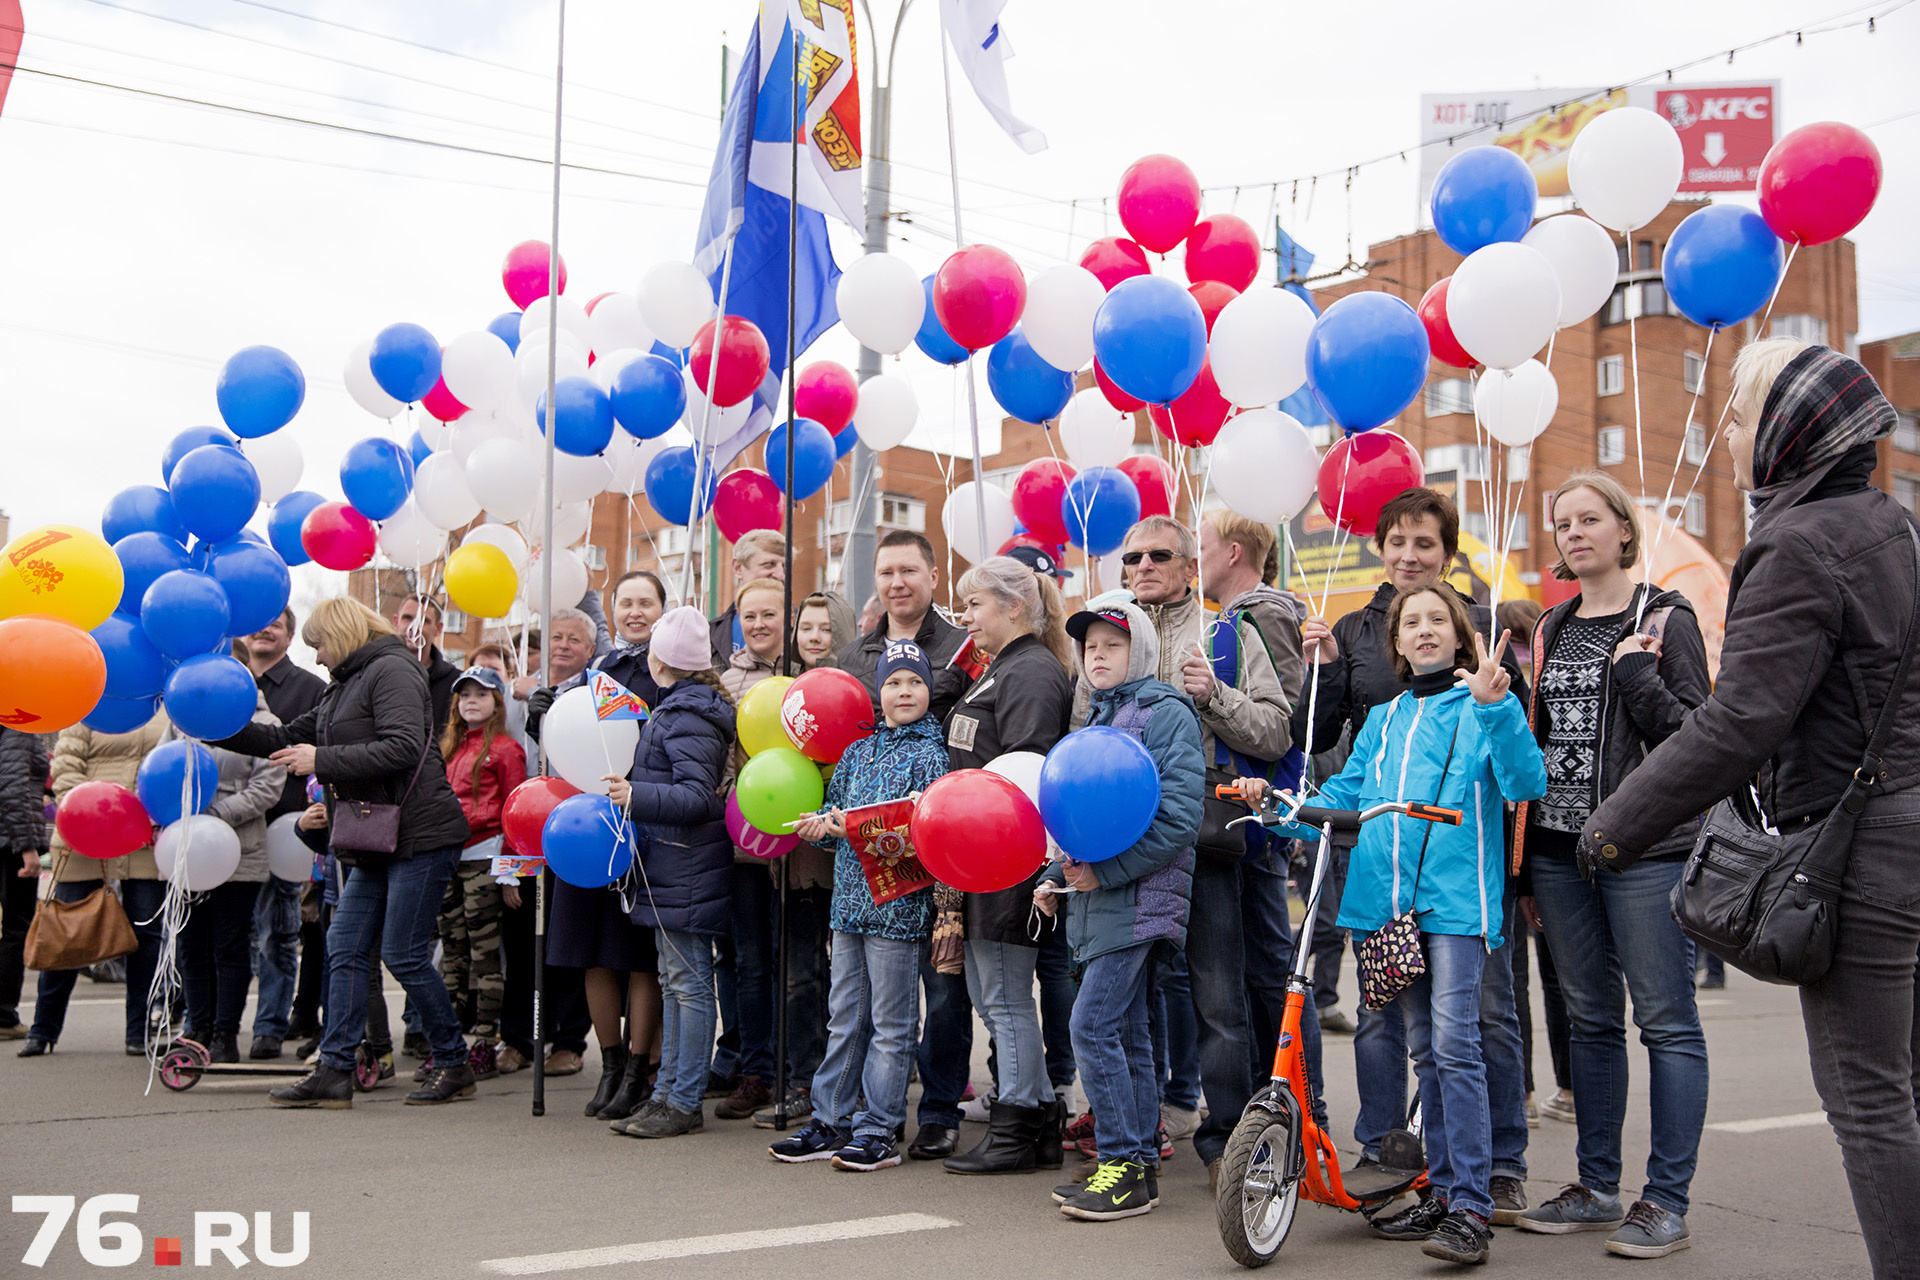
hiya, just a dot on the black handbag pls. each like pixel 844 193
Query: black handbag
pixel 1766 900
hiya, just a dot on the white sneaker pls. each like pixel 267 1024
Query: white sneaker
pixel 1179 1121
pixel 976 1109
pixel 1559 1106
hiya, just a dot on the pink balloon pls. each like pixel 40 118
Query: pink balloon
pixel 1818 182
pixel 525 272
pixel 1223 248
pixel 745 500
pixel 828 393
pixel 978 295
pixel 1159 202
pixel 441 403
pixel 1115 259
pixel 750 839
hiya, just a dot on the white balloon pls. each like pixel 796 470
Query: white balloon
pixel 200 849
pixel 1263 465
pixel 288 857
pixel 1504 304
pixel 1110 569
pixel 410 540
pixel 505 476
pixel 881 302
pixel 960 518
pixel 623 460
pixel 577 479
pixel 573 320
pixel 1624 167
pixel 607 367
pixel 1583 261
pixel 278 461
pixel 366 393
pixel 530 370
pixel 1058 319
pixel 581 747
pixel 722 423
pixel 616 323
pixel 440 491
pixel 437 435
pixel 1259 347
pixel 1093 432
pixel 475 429
pixel 1516 405
pixel 675 300
pixel 569 579
pixel 1022 769
pixel 478 370
pixel 886 412
pixel 505 538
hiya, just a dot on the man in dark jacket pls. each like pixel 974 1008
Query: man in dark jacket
pixel 906 576
pixel 23 838
pixel 418 622
pixel 1817 612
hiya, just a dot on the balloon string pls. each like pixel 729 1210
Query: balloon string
pixel 1633 347
pixel 1340 536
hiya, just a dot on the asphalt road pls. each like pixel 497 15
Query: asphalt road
pixel 424 1193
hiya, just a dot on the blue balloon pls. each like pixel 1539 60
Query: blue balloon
pixel 121 715
pixel 1366 359
pixel 283 526
pixel 135 669
pixel 215 492
pixel 648 397
pixel 1151 338
pixel 813 457
pixel 176 771
pixel 1721 265
pixel 1483 195
pixel 259 391
pixel 932 338
pixel 1099 790
pixel 1099 506
pixel 256 581
pixel 211 696
pixel 418 450
pixel 186 442
pixel 844 442
pixel 1026 386
pixel 405 361
pixel 143 507
pixel 588 841
pixel 582 421
pixel 144 556
pixel 670 485
pixel 376 475
pixel 184 613
pixel 672 355
pixel 506 327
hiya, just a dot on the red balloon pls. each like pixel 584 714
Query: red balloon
pixel 828 393
pixel 746 499
pixel 524 816
pixel 1223 248
pixel 1159 202
pixel 1115 396
pixel 978 832
pixel 1197 414
pixel 1154 479
pixel 1440 340
pixel 441 404
pixel 979 295
pixel 1115 259
pixel 1362 473
pixel 526 270
pixel 1037 491
pixel 101 819
pixel 743 360
pixel 1212 296
pixel 337 536
pixel 1818 182
pixel 826 711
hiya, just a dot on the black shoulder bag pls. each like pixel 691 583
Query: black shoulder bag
pixel 367 826
pixel 1765 900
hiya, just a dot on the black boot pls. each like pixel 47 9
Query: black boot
pixel 1053 1129
pixel 634 1089
pixel 324 1086
pixel 1013 1134
pixel 223 1047
pixel 444 1084
pixel 613 1060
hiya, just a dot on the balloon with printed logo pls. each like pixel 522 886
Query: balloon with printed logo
pixel 1484 195
pixel 1366 359
pixel 1257 346
pixel 51 673
pixel 1441 343
pixel 825 711
pixel 135 669
pixel 1158 202
pixel 185 442
pixel 887 412
pixel 376 475
pixel 184 613
pixel 143 557
pixel 750 840
pixel 177 778
pixel 210 696
pixel 1025 385
pixel 1213 298
pixel 1037 491
pixel 283 525
pixel 1099 790
pixel 776 786
pixel 1721 265
pixel 277 461
pixel 62 571
pixel 826 392
pixel 1819 182
pixel 1093 433
pixel 1503 304
pixel 1098 507
pixel 813 457
pixel 1150 338
pixel 746 499
pixel 405 361
pixel 648 397
pixel 141 507
pixel 582 418
pixel 1061 304
pixel 527 272
pixel 363 387
pixel 199 852
pixel 1624 167
pixel 1582 255
pixel 978 295
pixel 579 743
pixel 215 492
pixel 978 832
pixel 757 717
pixel 741 365
pixel 336 536
pixel 256 583
pixel 525 813
pixel 1223 248
pixel 101 819
pixel 1361 474
pixel 1264 465
pixel 1196 414
pixel 1516 405
pixel 1153 480
pixel 932 338
pixel 881 302
pixel 480 580
pixel 259 391
pixel 960 520
pixel 1113 259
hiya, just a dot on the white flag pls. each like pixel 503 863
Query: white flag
pixel 980 43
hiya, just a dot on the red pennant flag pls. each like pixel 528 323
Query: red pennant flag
pixel 879 835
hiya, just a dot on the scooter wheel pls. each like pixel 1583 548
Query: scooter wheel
pixel 366 1070
pixel 180 1068
pixel 1259 1187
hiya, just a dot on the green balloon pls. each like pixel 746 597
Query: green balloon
pixel 777 786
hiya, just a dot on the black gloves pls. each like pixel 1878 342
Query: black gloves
pixel 539 702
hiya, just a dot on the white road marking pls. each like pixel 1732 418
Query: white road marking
pixel 699 1246
pixel 1802 1120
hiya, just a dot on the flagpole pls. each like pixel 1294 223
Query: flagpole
pixel 786 639
pixel 694 526
pixel 959 242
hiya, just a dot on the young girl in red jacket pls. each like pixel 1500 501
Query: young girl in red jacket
pixel 484 765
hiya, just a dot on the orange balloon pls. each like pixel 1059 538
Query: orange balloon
pixel 51 673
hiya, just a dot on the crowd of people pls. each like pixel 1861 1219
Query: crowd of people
pixel 1582 746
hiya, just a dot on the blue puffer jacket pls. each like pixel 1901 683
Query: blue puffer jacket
pixel 887 765
pixel 677 804
pixel 1399 755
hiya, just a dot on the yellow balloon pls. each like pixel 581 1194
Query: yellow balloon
pixel 481 580
pixel 759 716
pixel 61 570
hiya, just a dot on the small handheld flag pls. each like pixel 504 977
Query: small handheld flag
pixel 614 701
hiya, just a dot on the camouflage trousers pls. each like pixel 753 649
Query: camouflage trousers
pixel 470 945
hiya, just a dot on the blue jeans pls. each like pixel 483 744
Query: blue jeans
pixel 1379 1074
pixel 276 954
pixel 1609 937
pixel 1000 981
pixel 873 1004
pixel 1217 965
pixel 945 1053
pixel 142 899
pixel 1176 1035
pixel 687 1016
pixel 1054 968
pixel 1115 1053
pixel 1269 942
pixel 1442 1013
pixel 389 912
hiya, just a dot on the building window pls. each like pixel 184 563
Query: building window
pixel 1806 328
pixel 903 513
pixel 455 621
pixel 1469 461
pixel 1643 255
pixel 1693 372
pixel 1617 306
pixel 1613 446
pixel 1906 488
pixel 670 541
pixel 1695 516
pixel 593 557
pixel 1546 511
pixel 1653 298
pixel 1620 253
pixel 1518 536
pixel 1613 375
pixel 1696 444
pixel 1474 524
pixel 1449 395
pixel 1906 433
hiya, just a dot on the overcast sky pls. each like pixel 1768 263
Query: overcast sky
pixel 145 241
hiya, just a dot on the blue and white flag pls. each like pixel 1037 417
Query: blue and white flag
pixel 1294 265
pixel 980 45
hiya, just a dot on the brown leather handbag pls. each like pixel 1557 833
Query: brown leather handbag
pixel 73 935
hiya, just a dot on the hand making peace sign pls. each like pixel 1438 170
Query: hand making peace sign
pixel 1490 681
